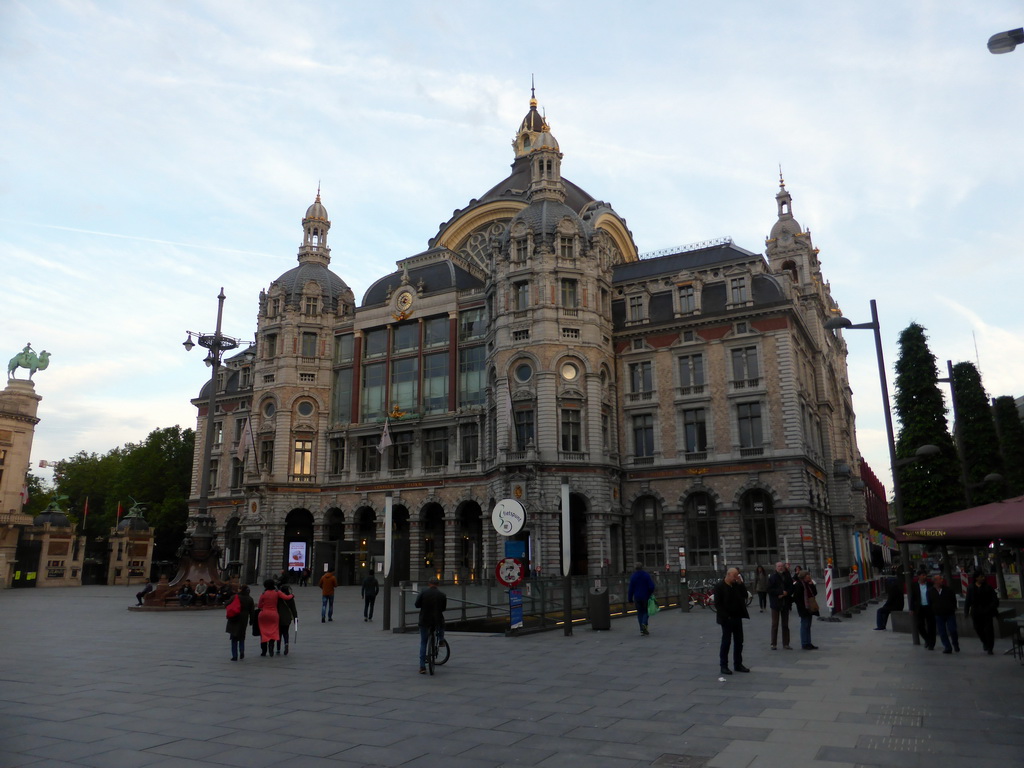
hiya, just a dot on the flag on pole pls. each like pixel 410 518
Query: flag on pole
pixel 120 511
pixel 24 494
pixel 85 512
pixel 243 443
pixel 385 437
pixel 43 463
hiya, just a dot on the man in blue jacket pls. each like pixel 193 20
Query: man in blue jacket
pixel 641 587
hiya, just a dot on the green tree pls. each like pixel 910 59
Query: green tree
pixel 1010 429
pixel 977 430
pixel 930 486
pixel 40 494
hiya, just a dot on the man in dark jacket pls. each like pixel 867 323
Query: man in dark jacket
pixel 923 616
pixel 780 600
pixel 369 592
pixel 731 609
pixel 982 605
pixel 893 602
pixel 432 603
pixel 943 602
pixel 641 587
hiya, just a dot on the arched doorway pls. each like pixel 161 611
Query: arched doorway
pixel 578 555
pixel 432 518
pixel 470 541
pixel 399 544
pixel 298 542
pixel 648 533
pixel 702 531
pixel 327 551
pixel 366 543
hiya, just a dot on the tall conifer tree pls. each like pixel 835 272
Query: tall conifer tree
pixel 1011 443
pixel 977 430
pixel 930 486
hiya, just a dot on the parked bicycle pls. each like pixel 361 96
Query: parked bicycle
pixel 438 650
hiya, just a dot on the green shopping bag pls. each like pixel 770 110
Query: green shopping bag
pixel 652 606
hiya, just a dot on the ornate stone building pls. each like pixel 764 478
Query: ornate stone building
pixel 688 399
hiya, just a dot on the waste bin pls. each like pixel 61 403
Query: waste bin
pixel 598 608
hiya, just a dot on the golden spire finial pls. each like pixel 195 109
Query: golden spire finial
pixel 782 182
pixel 318 190
pixel 533 92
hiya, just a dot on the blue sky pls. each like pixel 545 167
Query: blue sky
pixel 155 151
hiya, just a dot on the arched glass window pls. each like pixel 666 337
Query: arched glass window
pixel 702 526
pixel 650 539
pixel 760 543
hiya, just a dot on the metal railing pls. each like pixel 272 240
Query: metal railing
pixel 483 605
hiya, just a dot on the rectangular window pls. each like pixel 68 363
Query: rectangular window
pixel 472 324
pixel 218 432
pixel 269 345
pixel 687 299
pixel 375 343
pixel 643 436
pixel 275 307
pixel 239 430
pixel 521 247
pixel 337 455
pixel 309 345
pixel 565 247
pixel 246 377
pixel 469 442
pixel 691 374
pixel 405 338
pixel 404 380
pixel 745 371
pixel 636 308
pixel 738 290
pixel 312 305
pixel 572 430
pixel 570 294
pixel 237 473
pixel 472 383
pixel 369 456
pixel 435 383
pixel 212 478
pixel 401 450
pixel 341 397
pixel 435 332
pixel 695 434
pixel 435 447
pixel 524 428
pixel 748 417
pixel 641 377
pixel 521 296
pixel 303 463
pixel 373 391
pixel 606 431
pixel 344 348
pixel 267 456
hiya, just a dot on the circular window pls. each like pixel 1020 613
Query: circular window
pixel 570 372
pixel 305 408
pixel 524 372
pixel 269 408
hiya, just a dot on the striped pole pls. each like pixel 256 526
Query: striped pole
pixel 829 598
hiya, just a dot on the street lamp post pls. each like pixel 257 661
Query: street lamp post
pixel 217 344
pixel 845 323
pixel 1004 42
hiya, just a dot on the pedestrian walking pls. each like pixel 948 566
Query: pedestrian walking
pixel 761 586
pixel 369 592
pixel 268 619
pixel 780 600
pixel 923 616
pixel 287 612
pixel 893 602
pixel 641 587
pixel 240 615
pixel 942 599
pixel 328 583
pixel 805 593
pixel 730 610
pixel 982 606
pixel 432 603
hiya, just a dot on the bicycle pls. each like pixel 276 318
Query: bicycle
pixel 438 650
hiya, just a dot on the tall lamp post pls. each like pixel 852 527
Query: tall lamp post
pixel 844 323
pixel 217 344
pixel 1004 42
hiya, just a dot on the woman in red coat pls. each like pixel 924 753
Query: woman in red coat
pixel 269 619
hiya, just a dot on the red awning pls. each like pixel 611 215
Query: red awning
pixel 998 520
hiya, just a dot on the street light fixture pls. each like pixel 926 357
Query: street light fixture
pixel 217 344
pixel 837 323
pixel 1004 42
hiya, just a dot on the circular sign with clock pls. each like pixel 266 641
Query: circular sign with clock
pixel 404 301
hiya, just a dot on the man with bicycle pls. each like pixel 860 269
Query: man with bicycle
pixel 432 603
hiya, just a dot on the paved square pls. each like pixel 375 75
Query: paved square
pixel 85 682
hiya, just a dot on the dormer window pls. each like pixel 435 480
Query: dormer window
pixel 636 309
pixel 312 305
pixel 738 290
pixel 521 249
pixel 565 247
pixel 275 307
pixel 687 299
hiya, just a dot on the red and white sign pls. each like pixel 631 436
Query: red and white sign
pixel 509 571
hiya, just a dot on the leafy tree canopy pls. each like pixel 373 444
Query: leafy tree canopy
pixel 1010 429
pixel 976 430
